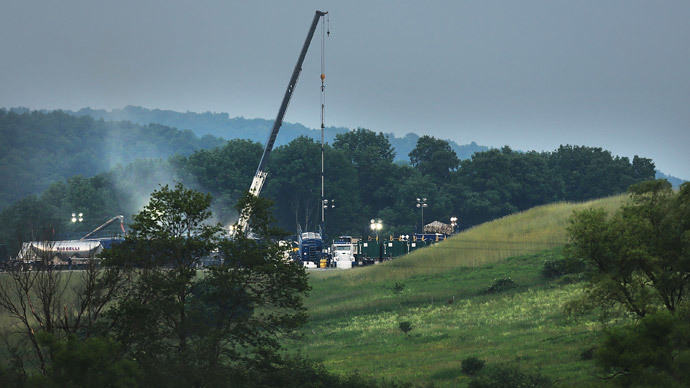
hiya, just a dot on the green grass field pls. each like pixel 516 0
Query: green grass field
pixel 354 314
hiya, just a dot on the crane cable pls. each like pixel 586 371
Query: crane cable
pixel 323 104
pixel 323 70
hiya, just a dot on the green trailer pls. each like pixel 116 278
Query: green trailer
pixel 370 251
pixel 395 248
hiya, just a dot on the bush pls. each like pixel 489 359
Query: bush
pixel 300 372
pixel 472 365
pixel 588 353
pixel 653 352
pixel 501 285
pixel 556 268
pixel 509 377
pixel 398 288
pixel 405 326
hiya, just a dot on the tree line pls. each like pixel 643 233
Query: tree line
pixel 362 179
pixel 39 148
pixel 222 125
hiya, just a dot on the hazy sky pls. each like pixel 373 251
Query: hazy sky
pixel 529 74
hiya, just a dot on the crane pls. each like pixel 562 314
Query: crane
pixel 260 175
pixel 110 221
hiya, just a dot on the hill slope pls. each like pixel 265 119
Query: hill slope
pixel 354 315
pixel 39 148
pixel 222 125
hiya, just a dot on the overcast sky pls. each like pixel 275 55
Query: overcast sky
pixel 529 74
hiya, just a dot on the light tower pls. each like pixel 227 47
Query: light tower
pixel 375 226
pixel 421 203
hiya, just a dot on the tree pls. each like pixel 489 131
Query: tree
pixel 434 157
pixel 90 362
pixel 167 240
pixel 45 301
pixel 655 352
pixel 405 327
pixel 191 329
pixel 294 184
pixel 640 257
pixel 226 172
pixel 590 172
pixel 372 156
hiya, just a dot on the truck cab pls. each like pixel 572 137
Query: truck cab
pixel 311 248
pixel 343 251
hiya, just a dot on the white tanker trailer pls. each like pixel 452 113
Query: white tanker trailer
pixel 68 252
pixel 60 252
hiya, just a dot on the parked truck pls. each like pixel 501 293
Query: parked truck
pixel 344 251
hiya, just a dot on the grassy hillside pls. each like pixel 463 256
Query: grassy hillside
pixel 354 315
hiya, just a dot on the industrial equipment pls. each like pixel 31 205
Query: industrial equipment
pixel 260 175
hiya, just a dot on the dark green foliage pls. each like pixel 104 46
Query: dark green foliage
pixel 434 157
pixel 639 257
pixel 90 362
pixel 509 377
pixel 372 157
pixel 560 267
pixel 588 353
pixel 360 174
pixel 294 184
pixel 499 182
pixel 653 353
pixel 398 288
pixel 11 377
pixel 226 172
pixel 589 172
pixel 38 149
pixel 472 365
pixel 405 327
pixel 638 260
pixel 501 285
pixel 190 330
pixel 297 372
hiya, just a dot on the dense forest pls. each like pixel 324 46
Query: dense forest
pixel 62 144
pixel 40 148
pixel 362 179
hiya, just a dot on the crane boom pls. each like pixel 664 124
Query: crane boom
pixel 110 221
pixel 260 176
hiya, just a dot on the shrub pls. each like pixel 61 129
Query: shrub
pixel 472 365
pixel 501 285
pixel 301 372
pixel 405 326
pixel 398 288
pixel 556 268
pixel 653 352
pixel 588 353
pixel 509 377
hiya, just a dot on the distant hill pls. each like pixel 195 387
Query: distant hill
pixel 222 125
pixel 39 148
pixel 676 182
